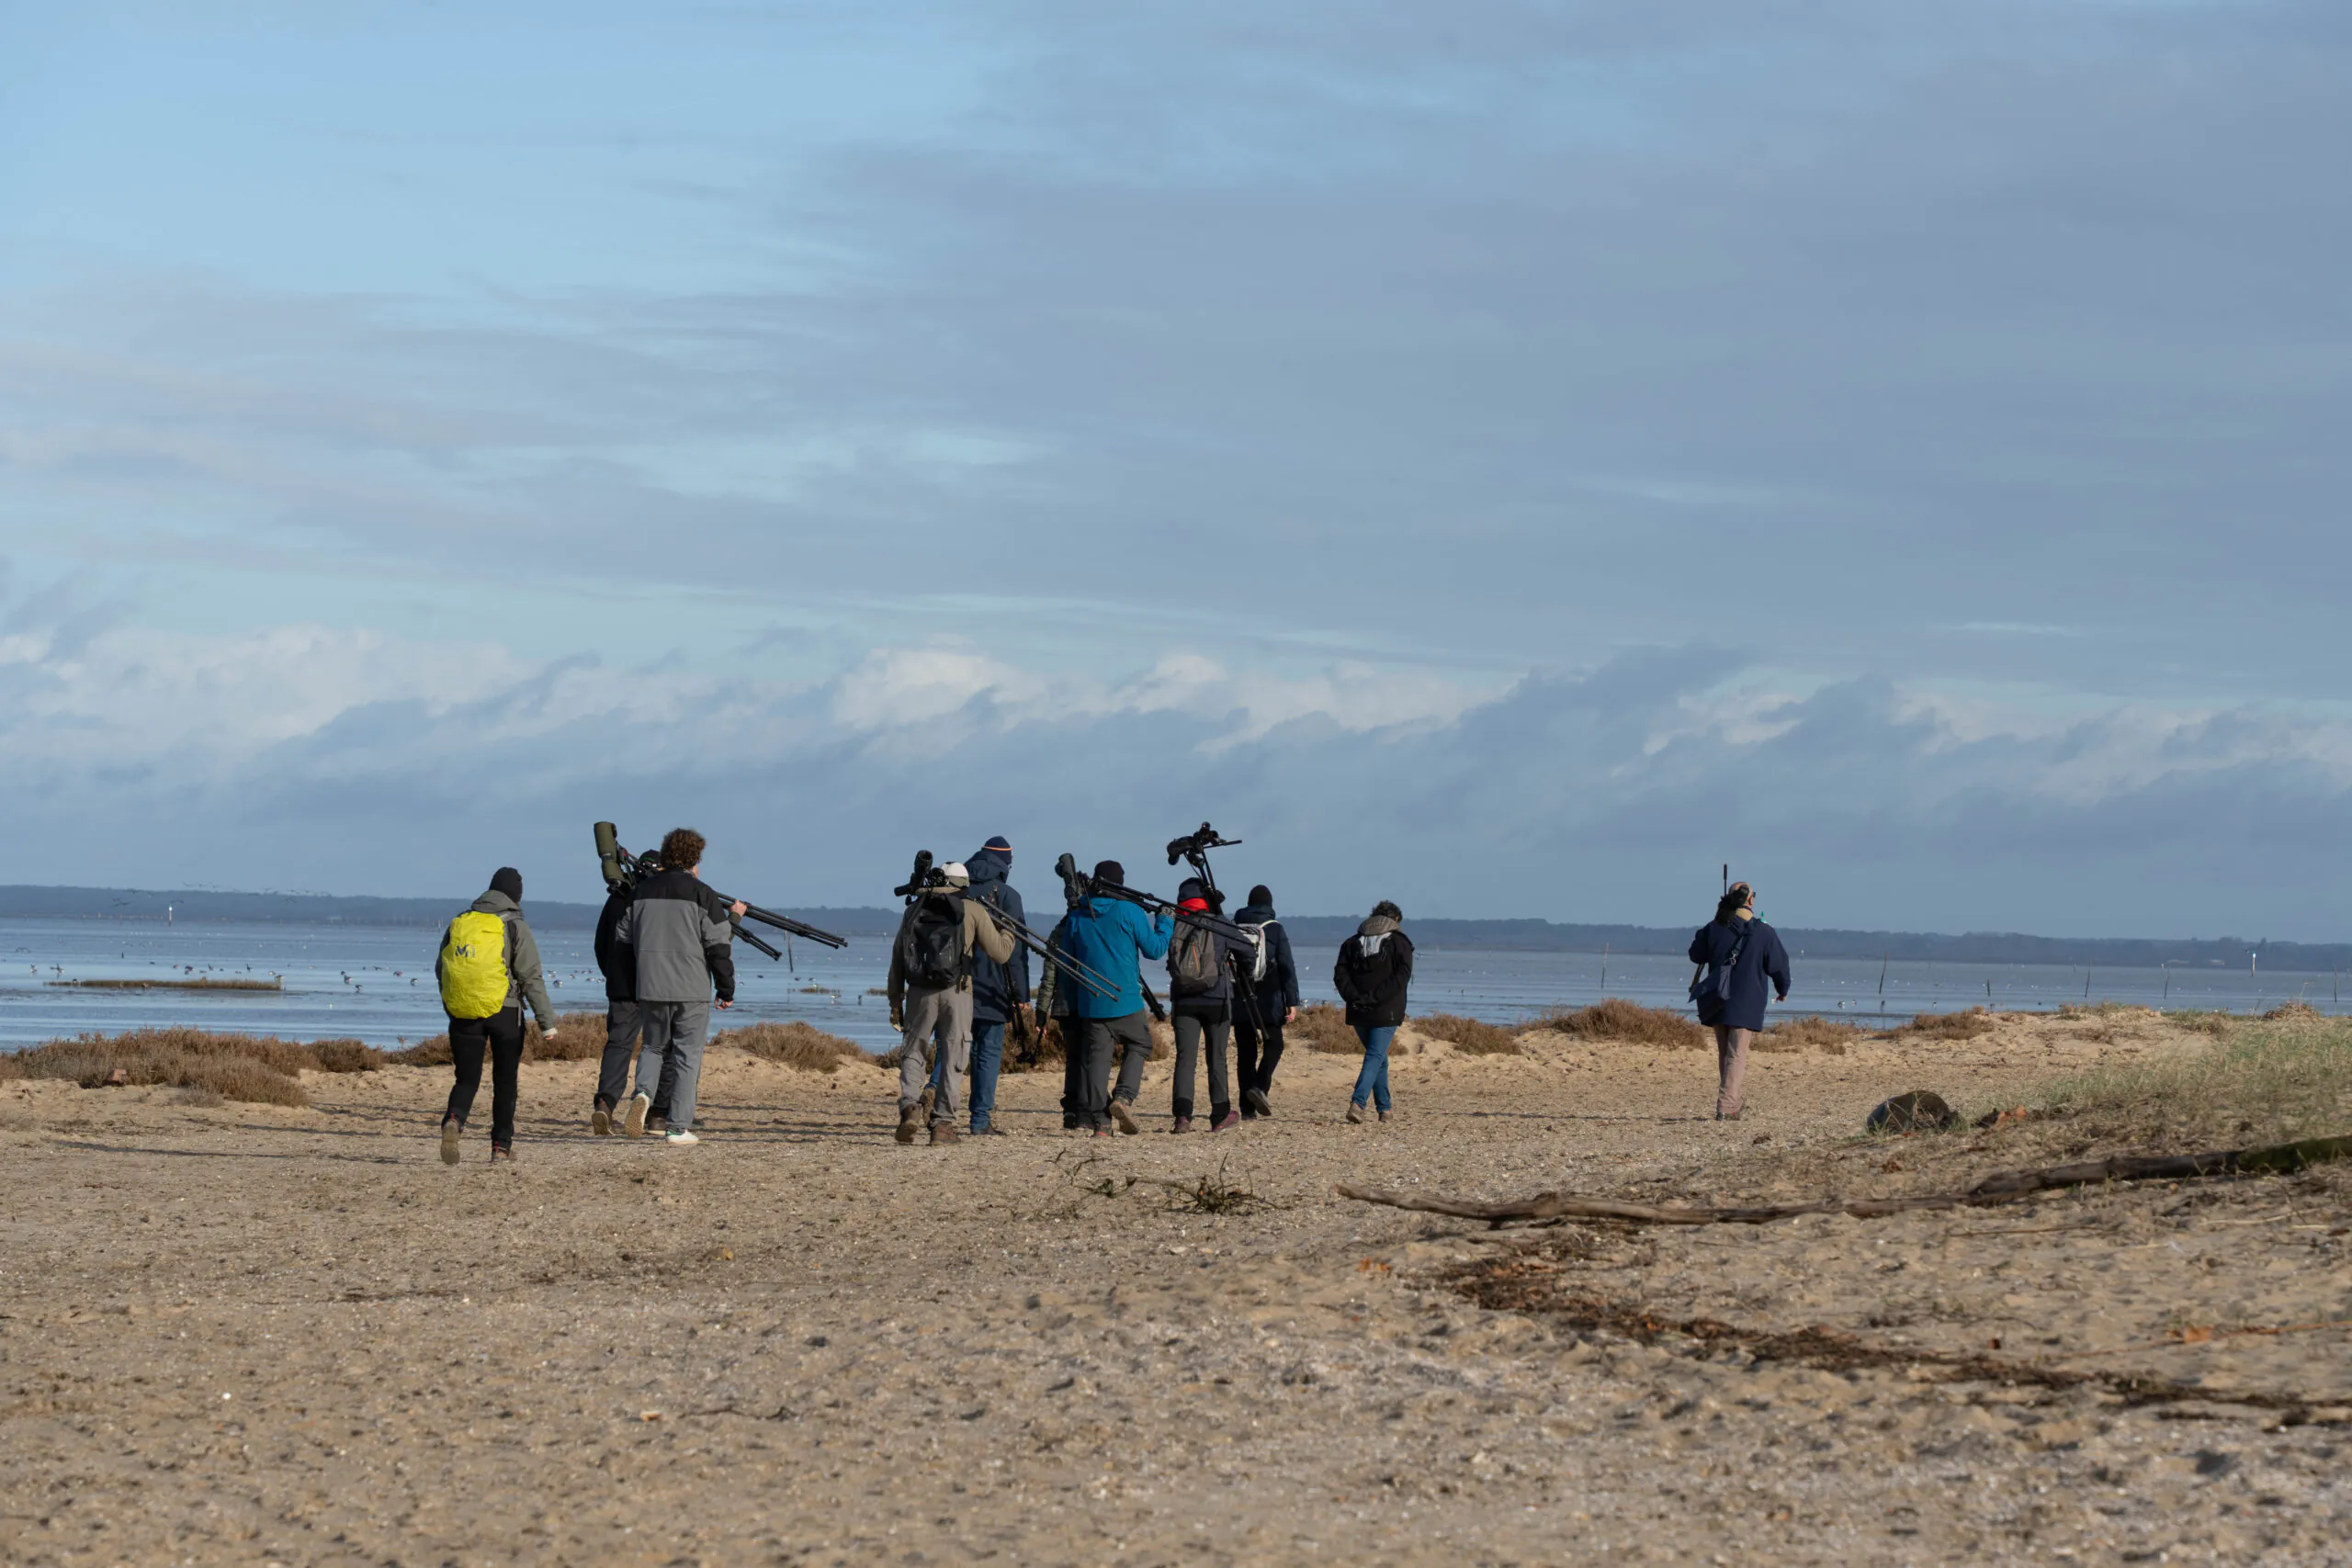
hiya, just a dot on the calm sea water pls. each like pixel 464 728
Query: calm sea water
pixel 375 983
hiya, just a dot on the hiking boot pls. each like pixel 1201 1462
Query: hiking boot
pixel 1070 1124
pixel 1355 1113
pixel 1102 1131
pixel 451 1131
pixel 1123 1114
pixel 501 1155
pixel 656 1124
pixel 909 1117
pixel 990 1132
pixel 600 1121
pixel 943 1132
pixel 1225 1122
pixel 677 1136
pixel 1386 1115
pixel 639 1106
pixel 1253 1103
pixel 1183 1124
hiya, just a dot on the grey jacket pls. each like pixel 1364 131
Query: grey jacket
pixel 676 932
pixel 525 977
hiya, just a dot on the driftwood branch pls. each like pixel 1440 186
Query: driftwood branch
pixel 2002 1187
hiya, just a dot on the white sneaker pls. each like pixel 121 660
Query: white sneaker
pixel 679 1135
pixel 638 1109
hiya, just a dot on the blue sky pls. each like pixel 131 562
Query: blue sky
pixel 1508 457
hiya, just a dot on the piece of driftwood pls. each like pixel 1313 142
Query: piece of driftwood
pixel 2002 1187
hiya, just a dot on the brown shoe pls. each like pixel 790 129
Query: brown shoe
pixel 1124 1116
pixel 501 1155
pixel 1355 1113
pixel 1183 1124
pixel 909 1117
pixel 943 1132
pixel 451 1131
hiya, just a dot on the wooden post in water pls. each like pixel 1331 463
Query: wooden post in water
pixel 2087 982
pixel 1604 969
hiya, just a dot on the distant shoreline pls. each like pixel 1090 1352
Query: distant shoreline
pixel 198 907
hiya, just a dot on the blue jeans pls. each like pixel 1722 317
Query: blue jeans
pixel 988 1060
pixel 1372 1083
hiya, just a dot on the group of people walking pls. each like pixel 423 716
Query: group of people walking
pixel 960 981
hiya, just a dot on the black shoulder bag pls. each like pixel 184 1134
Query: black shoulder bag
pixel 1711 992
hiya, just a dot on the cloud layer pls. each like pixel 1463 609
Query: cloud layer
pixel 308 757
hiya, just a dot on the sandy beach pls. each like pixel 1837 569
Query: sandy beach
pixel 254 1334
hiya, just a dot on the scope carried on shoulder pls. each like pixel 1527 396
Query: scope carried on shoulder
pixel 1195 847
pixel 927 877
pixel 623 871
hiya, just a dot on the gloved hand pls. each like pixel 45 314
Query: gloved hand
pixel 898 1019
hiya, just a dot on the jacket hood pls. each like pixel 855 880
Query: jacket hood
pixel 989 866
pixel 1255 914
pixel 495 903
pixel 1193 888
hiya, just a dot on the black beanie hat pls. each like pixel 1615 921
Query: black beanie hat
pixel 1262 895
pixel 508 881
pixel 999 842
pixel 1112 871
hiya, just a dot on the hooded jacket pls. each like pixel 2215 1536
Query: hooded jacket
pixel 981 938
pixel 1111 937
pixel 997 988
pixel 677 935
pixel 1279 990
pixel 525 979
pixel 1764 961
pixel 1374 967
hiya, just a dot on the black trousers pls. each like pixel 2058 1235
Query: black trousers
pixel 1073 1070
pixel 502 1035
pixel 1259 1048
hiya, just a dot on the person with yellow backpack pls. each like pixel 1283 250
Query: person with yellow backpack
pixel 489 965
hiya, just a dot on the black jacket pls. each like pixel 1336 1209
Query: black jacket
pixel 1279 990
pixel 1764 959
pixel 619 968
pixel 1372 974
pixel 997 988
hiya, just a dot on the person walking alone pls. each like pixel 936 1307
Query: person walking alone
pixel 1738 955
pixel 1112 937
pixel 1000 991
pixel 930 994
pixel 488 967
pixel 677 934
pixel 1262 1004
pixel 1200 1001
pixel 1376 967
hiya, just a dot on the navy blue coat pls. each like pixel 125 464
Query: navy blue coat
pixel 997 988
pixel 1764 959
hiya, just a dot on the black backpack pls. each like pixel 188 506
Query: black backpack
pixel 1193 961
pixel 1365 974
pixel 931 953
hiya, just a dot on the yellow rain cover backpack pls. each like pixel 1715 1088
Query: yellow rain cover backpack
pixel 473 966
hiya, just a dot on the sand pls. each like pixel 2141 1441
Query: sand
pixel 242 1334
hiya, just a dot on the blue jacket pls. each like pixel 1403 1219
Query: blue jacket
pixel 1764 959
pixel 1279 989
pixel 997 988
pixel 1111 937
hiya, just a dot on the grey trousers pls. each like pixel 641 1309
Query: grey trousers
pixel 1131 1038
pixel 1188 1030
pixel 943 1017
pixel 674 1034
pixel 1731 1067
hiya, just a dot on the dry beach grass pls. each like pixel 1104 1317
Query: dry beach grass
pixel 257 1332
